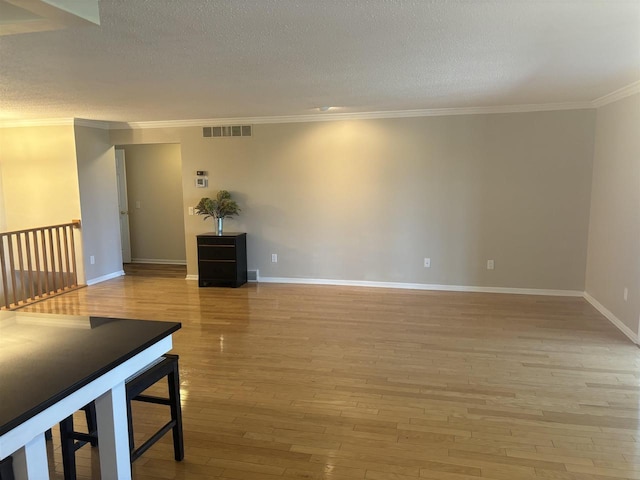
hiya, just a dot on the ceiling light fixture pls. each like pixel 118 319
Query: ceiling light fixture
pixel 324 109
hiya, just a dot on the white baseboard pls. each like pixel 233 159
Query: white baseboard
pixel 415 286
pixel 423 286
pixel 612 318
pixel 160 261
pixel 106 277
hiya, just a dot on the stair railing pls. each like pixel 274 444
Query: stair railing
pixel 37 263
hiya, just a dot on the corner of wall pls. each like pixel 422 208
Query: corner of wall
pixel 95 165
pixel 613 234
pixel 633 336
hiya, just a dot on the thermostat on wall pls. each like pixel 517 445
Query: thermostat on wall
pixel 202 182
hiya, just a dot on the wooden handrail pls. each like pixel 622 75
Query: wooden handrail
pixel 73 223
pixel 37 263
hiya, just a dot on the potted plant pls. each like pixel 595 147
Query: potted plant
pixel 218 208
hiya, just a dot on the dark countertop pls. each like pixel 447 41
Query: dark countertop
pixel 44 358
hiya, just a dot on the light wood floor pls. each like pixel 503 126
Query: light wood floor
pixel 155 270
pixel 321 382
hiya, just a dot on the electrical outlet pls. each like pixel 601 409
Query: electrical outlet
pixel 490 265
pixel 274 258
pixel 190 210
pixel 92 260
pixel 427 263
pixel 625 294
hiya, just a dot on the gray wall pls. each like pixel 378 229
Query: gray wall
pixel 614 229
pixel 369 199
pixel 154 178
pixel 96 166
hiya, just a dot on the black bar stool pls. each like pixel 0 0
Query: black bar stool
pixel 6 469
pixel 72 440
pixel 135 386
pixel 168 367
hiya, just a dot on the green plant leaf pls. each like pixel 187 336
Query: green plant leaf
pixel 219 207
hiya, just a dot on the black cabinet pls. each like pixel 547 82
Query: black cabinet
pixel 222 259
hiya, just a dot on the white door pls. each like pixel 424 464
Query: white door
pixel 123 205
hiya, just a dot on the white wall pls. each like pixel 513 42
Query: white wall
pixel 614 229
pixel 3 218
pixel 48 172
pixel 40 180
pixel 96 166
pixel 39 176
pixel 368 200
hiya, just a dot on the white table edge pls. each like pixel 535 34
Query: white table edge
pixel 29 432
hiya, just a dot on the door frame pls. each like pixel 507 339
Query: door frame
pixel 123 205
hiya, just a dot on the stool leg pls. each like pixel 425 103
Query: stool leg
pixel 176 412
pixel 92 422
pixel 68 448
pixel 6 469
pixel 130 426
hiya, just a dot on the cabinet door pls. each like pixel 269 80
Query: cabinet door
pixel 216 270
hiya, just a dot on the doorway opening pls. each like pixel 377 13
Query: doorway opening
pixel 151 209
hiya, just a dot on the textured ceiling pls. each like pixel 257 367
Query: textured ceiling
pixel 172 60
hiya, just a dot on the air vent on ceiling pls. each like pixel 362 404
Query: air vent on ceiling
pixel 227 131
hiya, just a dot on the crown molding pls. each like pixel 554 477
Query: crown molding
pixel 85 122
pixel 56 122
pixel 616 95
pixel 328 117
pixel 47 122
